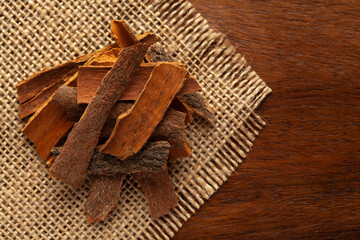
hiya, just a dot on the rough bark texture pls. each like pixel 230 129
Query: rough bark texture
pixel 148 37
pixel 122 34
pixel 172 129
pixel 133 128
pixel 104 194
pixel 180 106
pixel 159 192
pixel 198 104
pixel 158 54
pixel 72 163
pixel 28 88
pixel 192 103
pixel 48 125
pixel 151 158
pixel 89 79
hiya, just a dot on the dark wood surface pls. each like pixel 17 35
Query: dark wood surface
pixel 302 178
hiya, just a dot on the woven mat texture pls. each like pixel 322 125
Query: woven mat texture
pixel 43 33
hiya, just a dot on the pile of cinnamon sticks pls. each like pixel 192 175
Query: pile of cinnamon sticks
pixel 116 111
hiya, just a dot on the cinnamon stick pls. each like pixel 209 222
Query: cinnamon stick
pixel 48 125
pixel 159 192
pixel 104 194
pixel 198 104
pixel 122 34
pixel 148 37
pixel 134 127
pixel 182 107
pixel 158 54
pixel 171 128
pixel 72 163
pixel 151 158
pixel 89 79
pixel 31 86
pixel 190 103
pixel 36 90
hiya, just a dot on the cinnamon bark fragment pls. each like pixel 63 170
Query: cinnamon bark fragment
pixel 89 79
pixel 158 54
pixel 148 37
pixel 122 34
pixel 72 163
pixel 151 158
pixel 198 104
pixel 159 192
pixel 48 125
pixel 192 103
pixel 172 129
pixel 134 127
pixel 180 106
pixel 51 79
pixel 104 194
pixel 30 106
pixel 31 86
pixel 47 128
pixel 67 97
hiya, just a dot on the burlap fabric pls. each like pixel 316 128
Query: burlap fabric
pixel 43 33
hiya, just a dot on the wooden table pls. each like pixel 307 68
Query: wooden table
pixel 302 178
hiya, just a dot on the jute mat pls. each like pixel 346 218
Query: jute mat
pixel 42 33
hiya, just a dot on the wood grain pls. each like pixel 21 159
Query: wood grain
pixel 302 178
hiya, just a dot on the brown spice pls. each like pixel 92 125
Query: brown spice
pixel 122 34
pixel 72 163
pixel 148 38
pixel 198 104
pixel 159 192
pixel 151 158
pixel 134 127
pixel 48 125
pixel 171 128
pixel 104 194
pixel 89 79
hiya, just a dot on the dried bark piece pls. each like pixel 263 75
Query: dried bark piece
pixel 30 106
pixel 192 103
pixel 148 37
pixel 105 58
pixel 55 77
pixel 134 127
pixel 178 105
pixel 159 192
pixel 45 132
pixel 31 86
pixel 122 34
pixel 104 194
pixel 89 79
pixel 151 158
pixel 198 104
pixel 158 54
pixel 47 126
pixel 172 129
pixel 72 163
